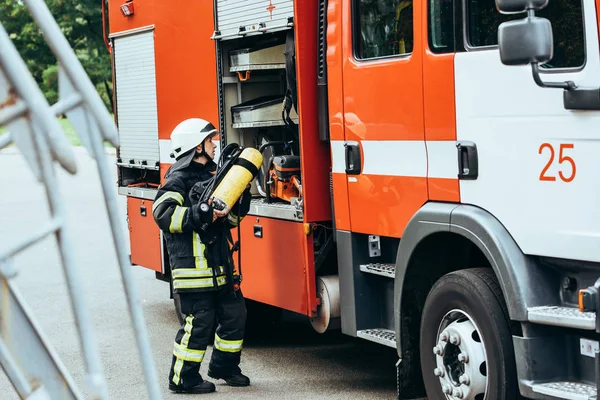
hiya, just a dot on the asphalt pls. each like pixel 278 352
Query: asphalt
pixel 288 362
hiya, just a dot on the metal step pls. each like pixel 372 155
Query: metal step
pixel 567 390
pixel 387 270
pixel 569 317
pixel 386 337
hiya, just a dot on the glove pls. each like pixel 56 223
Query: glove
pixel 202 215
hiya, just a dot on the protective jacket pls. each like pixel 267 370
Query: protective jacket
pixel 200 260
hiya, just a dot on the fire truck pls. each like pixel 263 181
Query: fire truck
pixel 430 178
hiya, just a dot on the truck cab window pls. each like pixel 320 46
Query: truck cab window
pixel 441 26
pixel 567 27
pixel 385 28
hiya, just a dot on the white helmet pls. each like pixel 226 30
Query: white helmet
pixel 189 134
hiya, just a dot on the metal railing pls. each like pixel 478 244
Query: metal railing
pixel 25 354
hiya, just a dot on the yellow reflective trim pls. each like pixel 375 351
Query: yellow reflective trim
pixel 229 346
pixel 168 195
pixel 234 342
pixel 184 341
pixel 199 255
pixel 177 371
pixel 196 272
pixel 185 354
pixel 192 283
pixel 177 219
pixel 198 283
pixel 187 329
pixel 191 273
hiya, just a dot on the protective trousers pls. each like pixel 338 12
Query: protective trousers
pixel 195 335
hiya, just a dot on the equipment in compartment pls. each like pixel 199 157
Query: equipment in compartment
pixel 260 112
pixel 257 58
pixel 284 178
pixel 265 106
pixel 280 176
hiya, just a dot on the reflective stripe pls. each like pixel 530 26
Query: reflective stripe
pixel 199 255
pixel 185 354
pixel 177 369
pixel 202 273
pixel 196 272
pixel 198 283
pixel 177 219
pixel 168 195
pixel 229 346
pixel 189 320
pixel 184 342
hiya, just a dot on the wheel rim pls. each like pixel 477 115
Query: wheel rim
pixel 461 363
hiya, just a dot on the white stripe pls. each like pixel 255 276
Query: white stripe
pixel 165 152
pixel 401 158
pixel 338 156
pixel 395 158
pixel 442 157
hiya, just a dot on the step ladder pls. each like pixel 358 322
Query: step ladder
pixel 383 336
pixel 26 356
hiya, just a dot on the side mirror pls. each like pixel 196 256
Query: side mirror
pixel 530 41
pixel 525 41
pixel 517 6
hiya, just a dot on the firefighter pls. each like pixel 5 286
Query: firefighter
pixel 201 264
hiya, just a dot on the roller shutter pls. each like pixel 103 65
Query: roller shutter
pixel 137 117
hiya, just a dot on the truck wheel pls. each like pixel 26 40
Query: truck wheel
pixel 177 303
pixel 466 344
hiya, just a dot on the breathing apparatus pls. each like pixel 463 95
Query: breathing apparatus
pixel 236 168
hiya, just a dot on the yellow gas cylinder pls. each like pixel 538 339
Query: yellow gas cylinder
pixel 234 183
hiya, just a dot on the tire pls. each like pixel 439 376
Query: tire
pixel 465 313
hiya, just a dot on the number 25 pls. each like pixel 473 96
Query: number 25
pixel 561 158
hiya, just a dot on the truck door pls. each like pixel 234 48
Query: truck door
pixel 539 173
pixel 385 155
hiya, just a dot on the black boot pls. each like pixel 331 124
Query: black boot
pixel 232 380
pixel 199 388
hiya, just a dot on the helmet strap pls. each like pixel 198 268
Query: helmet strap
pixel 203 153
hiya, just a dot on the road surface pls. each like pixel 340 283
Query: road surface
pixel 290 362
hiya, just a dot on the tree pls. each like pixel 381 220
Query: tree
pixel 81 23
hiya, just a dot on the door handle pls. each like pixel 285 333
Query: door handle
pixel 468 161
pixel 353 159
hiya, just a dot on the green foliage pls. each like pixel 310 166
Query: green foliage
pixel 50 83
pixel 81 23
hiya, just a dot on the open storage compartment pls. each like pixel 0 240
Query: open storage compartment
pixel 253 85
pixel 260 63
